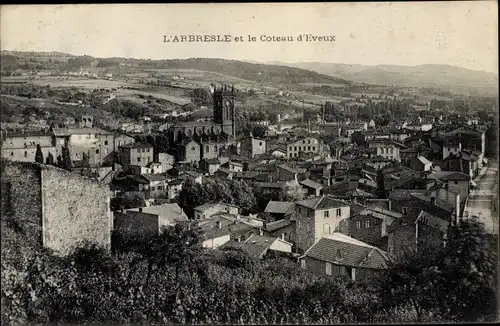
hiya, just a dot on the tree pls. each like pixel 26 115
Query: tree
pixel 380 191
pixel 50 159
pixel 66 161
pixel 259 131
pixel 293 191
pixel 39 154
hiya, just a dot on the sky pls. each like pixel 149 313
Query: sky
pixel 455 33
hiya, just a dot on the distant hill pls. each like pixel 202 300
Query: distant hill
pixel 440 76
pixel 263 73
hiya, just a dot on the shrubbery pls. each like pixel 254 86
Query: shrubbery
pixel 170 279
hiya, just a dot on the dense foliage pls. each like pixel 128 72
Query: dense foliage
pixel 170 279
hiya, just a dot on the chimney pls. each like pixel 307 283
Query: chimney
pixel 282 236
pixel 140 209
pixel 219 224
pixel 261 233
pixel 389 204
pixel 239 238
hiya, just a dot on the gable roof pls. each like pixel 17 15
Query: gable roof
pixel 433 221
pixel 353 253
pixel 323 202
pixel 168 214
pixel 311 184
pixel 449 176
pixel 276 225
pixel 278 207
pixel 424 160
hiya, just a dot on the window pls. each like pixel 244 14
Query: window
pixel 152 188
pixel 367 224
pixel 295 148
pixel 138 159
pixel 97 151
pixel 455 182
pixel 193 148
pixel 339 255
pixel 308 148
pixel 105 142
pixel 260 143
pixel 160 187
pixel 25 154
pixel 326 214
pixel 11 153
pixel 207 148
pixel 328 268
pixel 314 148
pixel 308 141
pixel 303 142
pixel 303 263
pixel 405 210
pixel 339 211
pixel 342 270
pixel 358 225
pixel 147 149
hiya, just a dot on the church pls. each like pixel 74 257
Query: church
pixel 193 141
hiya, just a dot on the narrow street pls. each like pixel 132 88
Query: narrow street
pixel 481 200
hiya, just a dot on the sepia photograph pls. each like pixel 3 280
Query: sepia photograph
pixel 249 163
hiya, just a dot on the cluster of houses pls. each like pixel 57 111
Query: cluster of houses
pixel 342 225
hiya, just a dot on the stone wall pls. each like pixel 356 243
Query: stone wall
pixel 75 210
pixel 21 198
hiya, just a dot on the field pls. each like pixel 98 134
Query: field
pixel 57 82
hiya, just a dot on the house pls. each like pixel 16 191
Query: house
pixel 370 226
pixel 451 146
pixel 416 231
pixel 156 185
pixel 135 154
pixel 420 164
pixel 210 165
pixel 207 210
pixel 387 148
pixel 235 166
pixel 283 229
pixel 285 172
pixel 21 146
pixel 174 187
pixel 340 255
pixel 399 135
pixel 463 162
pixel 305 145
pixel 454 181
pixel 251 146
pixel 148 221
pixel 279 209
pixel 219 229
pixel 316 217
pixel 257 246
pixel 313 188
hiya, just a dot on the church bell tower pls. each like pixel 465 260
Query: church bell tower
pixel 224 112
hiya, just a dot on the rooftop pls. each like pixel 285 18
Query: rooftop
pixel 340 249
pixel 323 202
pixel 278 207
pixel 137 145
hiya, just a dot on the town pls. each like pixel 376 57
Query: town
pixel 338 189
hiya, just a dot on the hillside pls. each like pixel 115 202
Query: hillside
pixel 440 76
pixel 261 73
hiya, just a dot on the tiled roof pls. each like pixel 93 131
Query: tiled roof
pixel 72 131
pixel 137 145
pixel 155 177
pixel 168 213
pixel 311 184
pixel 278 207
pixel 322 202
pixel 340 249
pixel 291 169
pixel 449 175
pixel 206 206
pixel 211 230
pixel 443 204
pixel 276 225
pixel 273 185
